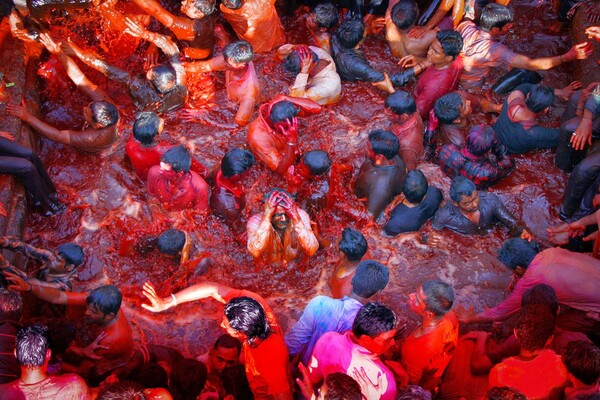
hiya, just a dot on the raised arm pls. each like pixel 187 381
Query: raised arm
pixel 580 51
pixel 43 255
pixel 94 61
pixel 45 293
pixel 39 126
pixel 195 292
pixel 182 27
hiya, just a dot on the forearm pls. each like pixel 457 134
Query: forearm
pixel 259 238
pixel 102 66
pixel 287 159
pixel 51 295
pixel 244 113
pixel 162 42
pixel 152 7
pixel 201 291
pixel 306 236
pixel 588 220
pixel 298 89
pixel 47 130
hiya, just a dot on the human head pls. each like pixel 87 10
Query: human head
pixel 539 98
pixel 171 242
pixel 232 4
pixel 146 126
pixel 415 186
pixel 351 32
pixel 461 187
pixel 437 297
pixel 353 244
pixel 324 15
pixel 317 161
pixel 178 158
pixel 480 139
pixel 494 15
pixel 518 253
pixel 163 77
pixel 225 352
pixel 245 315
pixel 413 392
pixel 282 111
pixel 374 327
pixel 401 102
pixel 541 294
pixel 32 348
pixel 505 393
pixel 534 327
pixel 197 9
pixel 384 143
pixel 405 14
pixel 450 107
pixel 103 114
pixel 370 278
pixel 188 378
pixel 238 53
pixel 123 390
pixel 292 62
pixel 451 41
pixel 236 161
pixel 11 305
pixel 339 386
pixel 72 253
pixel 104 303
pixel 280 219
pixel 582 360
pixel 6 8
pixel 151 375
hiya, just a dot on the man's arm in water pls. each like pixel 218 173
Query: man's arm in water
pixel 195 292
pixel 182 27
pixel 38 254
pixel 51 295
pixel 94 61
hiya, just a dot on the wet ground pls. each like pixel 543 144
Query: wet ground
pixel 108 204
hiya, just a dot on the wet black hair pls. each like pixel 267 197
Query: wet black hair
pixel 72 253
pixel 342 387
pixel 447 107
pixel 239 51
pixel 171 242
pixel 582 360
pixel 31 346
pixel 317 161
pixel 104 113
pixel 163 77
pixel 232 4
pixel 539 98
pixel 276 189
pixel 6 7
pixel 534 326
pixel 236 161
pixel 415 186
pixel 401 102
pixel 206 7
pixel 439 297
pixel 247 316
pixel 413 392
pixel 480 139
pixel 451 41
pixel 370 277
pixel 123 390
pixel 353 244
pixel 146 127
pixel 405 14
pixel 188 378
pixel 384 143
pixel 292 61
pixel 461 186
pixel 494 15
pixel 541 294
pixel 11 305
pixel 325 15
pixel 107 299
pixel 517 252
pixel 151 376
pixel 283 110
pixel 178 158
pixel 350 32
pixel 372 320
pixel 228 342
pixel 504 393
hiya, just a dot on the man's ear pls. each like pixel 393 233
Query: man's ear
pixel 109 316
pixel 48 354
pixel 379 159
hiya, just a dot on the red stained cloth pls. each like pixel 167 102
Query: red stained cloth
pixel 434 83
pixel 178 191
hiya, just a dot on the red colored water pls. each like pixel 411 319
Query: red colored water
pixel 108 204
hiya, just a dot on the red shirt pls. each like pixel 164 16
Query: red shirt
pixel 178 191
pixel 434 83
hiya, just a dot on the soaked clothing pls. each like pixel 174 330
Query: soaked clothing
pixel 147 98
pixel 321 315
pixel 142 157
pixel 352 65
pixel 178 191
pixel 336 352
pixel 410 136
pixel 226 202
pixel 243 89
pixel 547 369
pixel 325 87
pixel 582 186
pixel 410 219
pixel 9 366
pixel 267 364
pixel 258 23
pixel 485 170
pixel 573 276
pixel 522 136
pixel 456 134
pixel 491 209
pixel 63 387
pixel 270 246
pixel 480 52
pixel 267 144
pixel 426 357
pixel 22 162
pixel 379 184
pixel 199 45
pixel 435 83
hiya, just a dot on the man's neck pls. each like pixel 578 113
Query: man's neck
pixel 442 66
pixel 31 375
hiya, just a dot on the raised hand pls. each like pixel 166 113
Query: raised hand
pixel 134 29
pixel 50 44
pixel 157 304
pixel 18 111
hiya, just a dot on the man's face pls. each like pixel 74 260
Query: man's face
pixel 94 315
pixel 280 220
pixel 469 203
pixel 382 342
pixel 465 108
pixel 435 54
pixel 189 8
pixel 416 301
pixel 311 24
pixel 232 332
pixel 237 66
pixel 222 357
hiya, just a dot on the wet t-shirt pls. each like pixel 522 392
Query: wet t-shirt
pixel 178 191
pixel 410 219
pixel 352 65
pixel 434 83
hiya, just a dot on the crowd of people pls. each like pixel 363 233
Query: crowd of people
pixel 349 344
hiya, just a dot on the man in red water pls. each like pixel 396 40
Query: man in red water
pixel 282 231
